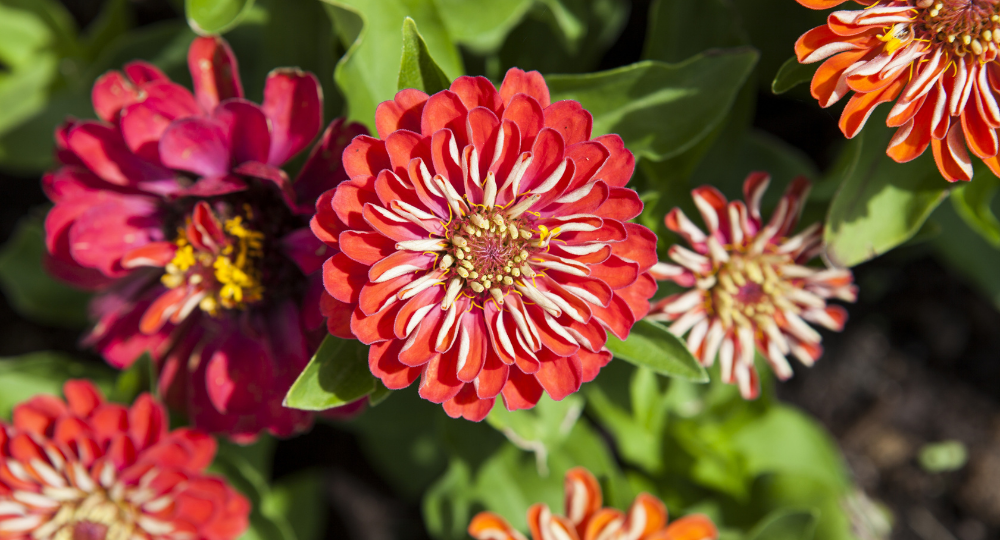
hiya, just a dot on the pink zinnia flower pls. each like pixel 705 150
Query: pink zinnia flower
pixel 587 519
pixel 936 58
pixel 483 245
pixel 750 287
pixel 173 205
pixel 85 469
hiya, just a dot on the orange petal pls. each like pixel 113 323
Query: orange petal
pixel 583 497
pixel 693 527
pixel 826 84
pixel 647 514
pixel 951 156
pixel 489 526
pixel 861 106
pixel 981 137
pixel 604 522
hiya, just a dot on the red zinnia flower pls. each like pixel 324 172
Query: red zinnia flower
pixel 483 245
pixel 85 469
pixel 937 56
pixel 749 284
pixel 174 206
pixel 585 519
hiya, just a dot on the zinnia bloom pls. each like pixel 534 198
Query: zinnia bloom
pixel 749 284
pixel 85 469
pixel 585 519
pixel 938 57
pixel 173 205
pixel 483 245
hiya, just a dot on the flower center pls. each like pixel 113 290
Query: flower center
pixel 97 516
pixel 747 286
pixel 488 250
pixel 964 26
pixel 222 261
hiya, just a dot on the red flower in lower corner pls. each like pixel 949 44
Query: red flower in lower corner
pixel 175 209
pixel 85 469
pixel 484 245
pixel 586 519
pixel 750 287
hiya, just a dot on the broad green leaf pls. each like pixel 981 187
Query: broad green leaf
pixel 671 36
pixel 368 73
pixel 30 289
pixel 792 74
pixel 562 36
pixel 972 201
pixel 967 253
pixel 660 110
pixel 336 375
pixel 540 429
pixel 789 524
pixel 880 203
pixel 651 345
pixel 417 69
pixel 638 428
pixel 447 505
pixel 380 394
pixel 481 26
pixel 943 456
pixel 23 377
pixel 785 440
pixel 138 378
pixel 208 17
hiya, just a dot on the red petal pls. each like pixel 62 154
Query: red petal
pixel 521 391
pixel 147 422
pixel 532 83
pixel 366 247
pixel 477 92
pixel 343 278
pixel 560 376
pixel 365 156
pixel 82 397
pixel 570 119
pixel 444 110
pixel 403 112
pixel 383 361
pixel 466 404
pixel 111 94
pixel 525 111
pixel 438 382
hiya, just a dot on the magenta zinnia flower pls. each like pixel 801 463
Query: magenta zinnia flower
pixel 175 208
pixel 750 287
pixel 483 245
pixel 86 469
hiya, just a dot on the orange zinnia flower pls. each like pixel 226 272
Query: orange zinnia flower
pixel 938 57
pixel 585 519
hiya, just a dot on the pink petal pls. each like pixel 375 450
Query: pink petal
pixel 214 71
pixel 245 127
pixel 293 105
pixel 112 93
pixel 324 169
pixel 197 145
pixel 307 251
pixel 104 152
pixel 237 375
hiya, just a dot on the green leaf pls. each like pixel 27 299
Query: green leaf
pixel 379 395
pixel 972 201
pixel 651 345
pixel 417 69
pixel 967 253
pixel 138 378
pixel 30 289
pixel 786 524
pixel 368 73
pixel 481 26
pixel 336 375
pixel 299 499
pixel 660 110
pixel 792 74
pixel 880 203
pixel 23 377
pixel 943 456
pixel 540 429
pixel 247 468
pixel 671 36
pixel 208 17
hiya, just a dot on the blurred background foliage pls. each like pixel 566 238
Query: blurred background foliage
pixel 690 85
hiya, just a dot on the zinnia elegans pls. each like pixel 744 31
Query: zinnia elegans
pixel 749 284
pixel 585 519
pixel 483 245
pixel 174 207
pixel 938 57
pixel 85 469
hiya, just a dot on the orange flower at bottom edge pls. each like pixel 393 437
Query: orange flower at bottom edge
pixel 586 519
